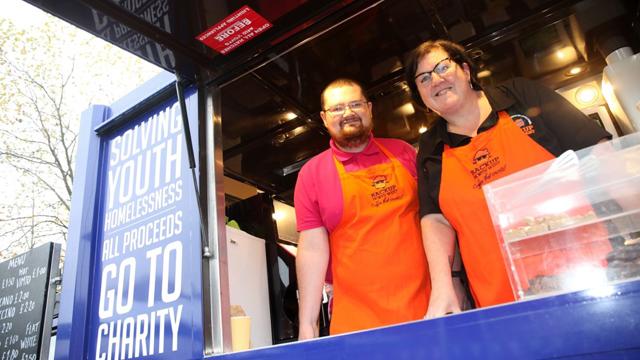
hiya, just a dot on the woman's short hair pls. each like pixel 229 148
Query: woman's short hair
pixel 456 53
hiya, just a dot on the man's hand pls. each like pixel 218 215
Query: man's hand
pixel 307 331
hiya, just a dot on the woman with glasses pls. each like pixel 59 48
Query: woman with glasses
pixel 482 134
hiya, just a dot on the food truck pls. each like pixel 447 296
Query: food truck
pixel 154 271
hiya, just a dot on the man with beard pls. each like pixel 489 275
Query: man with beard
pixel 358 202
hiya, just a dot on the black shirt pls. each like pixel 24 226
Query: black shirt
pixel 559 126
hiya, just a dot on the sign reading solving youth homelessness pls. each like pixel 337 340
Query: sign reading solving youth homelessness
pixel 147 298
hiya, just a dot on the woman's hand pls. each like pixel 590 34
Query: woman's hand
pixel 442 302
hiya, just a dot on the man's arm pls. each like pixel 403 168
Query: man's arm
pixel 438 238
pixel 311 268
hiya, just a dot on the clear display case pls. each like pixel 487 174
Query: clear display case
pixel 573 222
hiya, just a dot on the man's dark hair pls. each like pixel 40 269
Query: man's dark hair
pixel 341 82
pixel 456 53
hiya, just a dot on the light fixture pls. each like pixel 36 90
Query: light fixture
pixel 290 115
pixel 422 129
pixel 564 56
pixel 278 215
pixel 575 70
pixel 484 74
pixel 407 109
pixel 587 95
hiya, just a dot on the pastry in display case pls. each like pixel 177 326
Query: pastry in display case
pixel 573 222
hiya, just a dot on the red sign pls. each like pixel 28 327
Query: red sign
pixel 236 29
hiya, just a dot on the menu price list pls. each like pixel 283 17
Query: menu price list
pixel 23 291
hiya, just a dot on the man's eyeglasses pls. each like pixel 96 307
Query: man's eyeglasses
pixel 339 109
pixel 442 67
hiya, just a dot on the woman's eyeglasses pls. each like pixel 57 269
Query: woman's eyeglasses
pixel 442 68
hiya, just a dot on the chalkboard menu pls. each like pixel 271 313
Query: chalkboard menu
pixel 25 303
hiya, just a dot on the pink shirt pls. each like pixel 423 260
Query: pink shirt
pixel 318 193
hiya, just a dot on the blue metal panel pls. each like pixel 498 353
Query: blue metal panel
pixel 596 324
pixel 142 95
pixel 158 89
pixel 134 327
pixel 75 287
pixel 149 238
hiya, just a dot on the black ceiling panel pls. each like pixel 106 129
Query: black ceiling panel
pixel 270 86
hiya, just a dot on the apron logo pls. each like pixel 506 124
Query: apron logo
pixel 379 182
pixel 480 155
pixel 524 123
pixel 384 191
pixel 485 167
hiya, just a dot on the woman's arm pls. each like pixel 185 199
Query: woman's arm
pixel 438 238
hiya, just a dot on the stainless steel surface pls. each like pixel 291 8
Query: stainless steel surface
pixel 217 327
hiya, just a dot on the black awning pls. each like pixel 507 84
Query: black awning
pixel 270 84
pixel 164 32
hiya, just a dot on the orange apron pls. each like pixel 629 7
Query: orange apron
pixel 380 273
pixel 491 155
